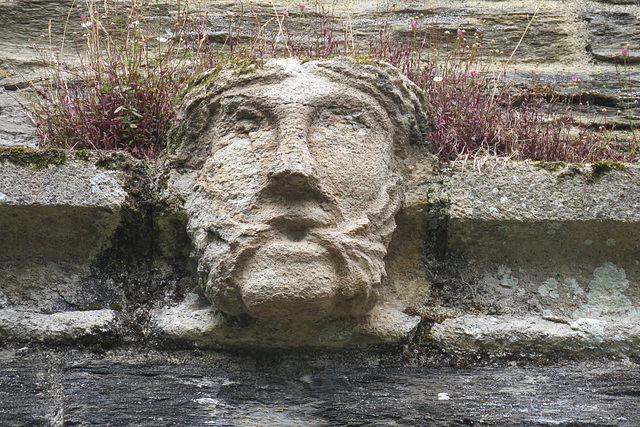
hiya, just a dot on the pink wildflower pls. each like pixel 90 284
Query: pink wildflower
pixel 473 73
pixel 460 32
pixel 414 24
pixel 83 17
pixel 301 7
pixel 574 78
pixel 285 12
pixel 625 52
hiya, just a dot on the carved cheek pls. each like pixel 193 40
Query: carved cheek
pixel 353 159
pixel 236 172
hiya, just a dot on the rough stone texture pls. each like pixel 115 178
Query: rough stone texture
pixel 297 183
pixel 57 328
pixel 550 239
pixel 533 191
pixel 54 222
pixel 79 235
pixel 196 322
pixel 545 247
pixel 499 335
pixel 546 251
pixel 151 389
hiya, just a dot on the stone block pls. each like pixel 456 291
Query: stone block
pixel 58 214
pixel 557 241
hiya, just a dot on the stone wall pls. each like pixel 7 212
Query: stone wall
pixel 491 257
pixel 566 39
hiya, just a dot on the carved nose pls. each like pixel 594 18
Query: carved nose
pixel 294 172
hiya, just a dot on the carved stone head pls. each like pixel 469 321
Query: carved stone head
pixel 294 182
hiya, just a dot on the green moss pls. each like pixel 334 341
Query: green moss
pixel 247 65
pixel 107 163
pixel 603 167
pixel 550 166
pixel 116 307
pixel 33 158
pixel 82 154
pixel 364 59
pixel 202 79
pixel 93 307
pixel 178 134
pixel 115 160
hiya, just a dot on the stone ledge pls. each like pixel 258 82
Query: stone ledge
pixel 194 322
pixel 536 191
pixel 58 328
pixel 531 335
pixel 74 183
pixel 573 257
pixel 67 210
pixel 550 248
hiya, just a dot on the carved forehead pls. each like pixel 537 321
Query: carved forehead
pixel 289 80
pixel 302 89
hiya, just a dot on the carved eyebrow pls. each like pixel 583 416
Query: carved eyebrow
pixel 341 97
pixel 367 105
pixel 241 100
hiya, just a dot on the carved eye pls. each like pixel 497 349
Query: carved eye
pixel 238 116
pixel 247 120
pixel 345 116
pixel 345 129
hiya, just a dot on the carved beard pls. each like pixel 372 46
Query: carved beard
pixel 269 273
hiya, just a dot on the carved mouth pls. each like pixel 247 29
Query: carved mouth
pixel 295 226
pixel 298 218
pixel 294 234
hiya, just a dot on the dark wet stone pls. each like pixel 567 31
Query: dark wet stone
pixel 24 394
pixel 619 1
pixel 207 389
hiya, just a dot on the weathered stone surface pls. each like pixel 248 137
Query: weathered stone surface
pixel 56 216
pixel 553 238
pixel 297 182
pixel 610 31
pixel 57 328
pixel 150 389
pixel 196 322
pixel 534 191
pixel 549 253
pixel 79 235
pixel 499 335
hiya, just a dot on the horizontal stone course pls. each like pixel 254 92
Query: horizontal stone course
pixel 529 191
pixel 553 248
pixel 566 39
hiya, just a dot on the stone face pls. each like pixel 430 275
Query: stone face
pixel 296 183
